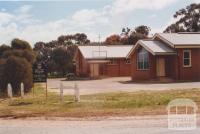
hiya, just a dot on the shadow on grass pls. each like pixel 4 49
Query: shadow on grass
pixel 20 104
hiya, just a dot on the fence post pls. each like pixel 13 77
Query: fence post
pixel 22 90
pixel 9 90
pixel 61 91
pixel 76 92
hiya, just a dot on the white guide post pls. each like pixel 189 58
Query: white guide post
pixel 61 91
pixel 9 90
pixel 22 90
pixel 76 92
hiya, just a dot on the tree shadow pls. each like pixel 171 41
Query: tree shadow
pixel 21 104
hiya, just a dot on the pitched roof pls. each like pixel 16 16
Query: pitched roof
pixel 180 39
pixel 154 47
pixel 104 52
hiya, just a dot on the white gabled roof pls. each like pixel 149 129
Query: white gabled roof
pixel 180 39
pixel 104 52
pixel 154 47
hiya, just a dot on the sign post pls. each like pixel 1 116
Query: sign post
pixel 22 90
pixel 40 75
pixel 9 89
pixel 76 91
pixel 61 91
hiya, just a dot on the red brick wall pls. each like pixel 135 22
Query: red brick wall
pixel 125 69
pixel 82 67
pixel 193 72
pixel 174 67
pixel 138 75
pixel 119 69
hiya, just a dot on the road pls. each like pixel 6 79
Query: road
pixel 126 125
pixel 116 84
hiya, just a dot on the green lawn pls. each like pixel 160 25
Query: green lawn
pixel 108 104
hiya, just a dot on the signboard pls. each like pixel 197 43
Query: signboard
pixel 39 73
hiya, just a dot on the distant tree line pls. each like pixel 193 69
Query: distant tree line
pixel 128 36
pixel 58 54
pixel 16 66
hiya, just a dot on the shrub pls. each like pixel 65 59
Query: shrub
pixel 16 66
pixel 16 71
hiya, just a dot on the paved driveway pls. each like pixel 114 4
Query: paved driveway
pixel 117 84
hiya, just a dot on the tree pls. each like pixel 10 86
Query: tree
pixel 20 44
pixel 2 77
pixel 27 54
pixel 81 38
pixel 132 36
pixel 18 70
pixel 4 48
pixel 126 32
pixel 143 30
pixel 113 40
pixel 188 20
pixel 46 52
pixel 16 66
pixel 62 59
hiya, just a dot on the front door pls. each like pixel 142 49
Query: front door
pixel 94 70
pixel 160 67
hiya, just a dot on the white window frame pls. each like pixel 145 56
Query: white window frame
pixel 190 58
pixel 143 53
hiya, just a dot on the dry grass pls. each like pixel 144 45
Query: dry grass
pixel 108 104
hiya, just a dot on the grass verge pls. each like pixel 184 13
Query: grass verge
pixel 108 104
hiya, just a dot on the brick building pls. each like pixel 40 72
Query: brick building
pixel 174 56
pixel 97 61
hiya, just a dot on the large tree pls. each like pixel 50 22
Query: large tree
pixel 188 20
pixel 16 65
pixel 62 59
pixel 47 52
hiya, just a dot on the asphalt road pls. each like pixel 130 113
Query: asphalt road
pixel 128 125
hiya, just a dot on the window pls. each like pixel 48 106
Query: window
pixel 113 62
pixel 187 58
pixel 128 61
pixel 142 59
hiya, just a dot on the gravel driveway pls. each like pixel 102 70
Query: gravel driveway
pixel 117 84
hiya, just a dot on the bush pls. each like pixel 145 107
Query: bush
pixel 2 77
pixel 16 71
pixel 16 66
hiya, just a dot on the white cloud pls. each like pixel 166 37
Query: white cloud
pixel 5 18
pixel 107 20
pixel 121 6
pixel 89 18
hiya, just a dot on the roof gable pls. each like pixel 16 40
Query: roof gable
pixel 180 39
pixel 154 47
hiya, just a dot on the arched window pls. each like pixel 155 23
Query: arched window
pixel 142 59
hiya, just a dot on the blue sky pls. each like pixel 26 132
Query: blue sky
pixel 46 20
